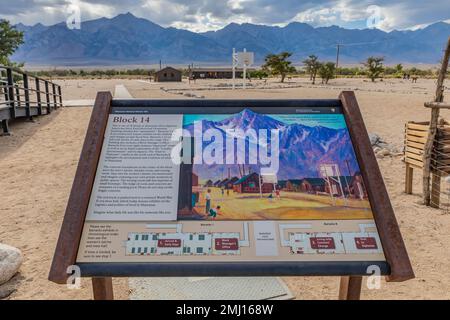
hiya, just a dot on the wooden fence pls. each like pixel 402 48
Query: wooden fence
pixel 24 96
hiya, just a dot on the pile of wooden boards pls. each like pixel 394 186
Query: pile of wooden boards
pixel 416 134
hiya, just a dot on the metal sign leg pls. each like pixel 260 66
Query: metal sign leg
pixel 350 288
pixel 103 288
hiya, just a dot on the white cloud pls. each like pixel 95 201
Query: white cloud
pixel 202 15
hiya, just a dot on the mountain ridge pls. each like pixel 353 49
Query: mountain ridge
pixel 301 147
pixel 129 39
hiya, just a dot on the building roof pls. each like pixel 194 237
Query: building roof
pixel 167 69
pixel 282 183
pixel 315 181
pixel 244 178
pixel 223 182
pixel 295 181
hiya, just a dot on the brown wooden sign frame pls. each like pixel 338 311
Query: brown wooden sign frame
pixel 72 226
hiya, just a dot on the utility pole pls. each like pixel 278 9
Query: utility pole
pixel 338 47
pixel 234 62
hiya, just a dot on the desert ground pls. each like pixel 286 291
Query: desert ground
pixel 290 205
pixel 38 163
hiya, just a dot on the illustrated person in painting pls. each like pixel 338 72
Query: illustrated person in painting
pixel 208 201
pixel 213 213
pixel 277 193
pixel 223 191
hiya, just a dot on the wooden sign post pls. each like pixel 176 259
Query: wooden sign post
pixel 392 261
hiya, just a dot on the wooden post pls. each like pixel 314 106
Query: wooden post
pixel 409 179
pixel 38 95
pixel 102 288
pixel 47 97
pixel 350 288
pixel 435 190
pixel 5 128
pixel 55 102
pixel 27 96
pixel 439 97
pixel 11 100
pixel 60 96
pixel 72 226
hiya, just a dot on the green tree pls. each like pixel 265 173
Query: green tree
pixel 10 40
pixel 399 68
pixel 374 67
pixel 327 71
pixel 312 67
pixel 260 74
pixel 278 64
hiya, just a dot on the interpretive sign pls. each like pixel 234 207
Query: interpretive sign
pixel 229 187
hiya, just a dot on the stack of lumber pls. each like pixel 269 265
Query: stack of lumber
pixel 416 134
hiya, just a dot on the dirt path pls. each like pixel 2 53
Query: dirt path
pixel 38 162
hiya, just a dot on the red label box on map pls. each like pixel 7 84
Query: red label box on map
pixel 366 243
pixel 169 243
pixel 226 244
pixel 322 243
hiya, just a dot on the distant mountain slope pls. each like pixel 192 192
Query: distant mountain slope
pixel 128 39
pixel 301 148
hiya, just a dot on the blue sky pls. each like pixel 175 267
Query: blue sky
pixel 333 121
pixel 203 15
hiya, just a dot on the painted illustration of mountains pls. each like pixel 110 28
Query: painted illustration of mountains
pixel 129 39
pixel 302 148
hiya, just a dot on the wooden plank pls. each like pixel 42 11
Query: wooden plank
pixel 416 139
pixel 414 150
pixel 417 133
pixel 418 164
pixel 414 126
pixel 102 288
pixel 350 288
pixel 409 179
pixel 72 226
pixel 414 156
pixel 391 238
pixel 416 145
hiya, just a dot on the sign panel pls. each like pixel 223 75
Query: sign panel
pixel 245 58
pixel 245 184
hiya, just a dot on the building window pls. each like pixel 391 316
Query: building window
pixel 201 237
pixel 155 237
pixel 191 237
pixel 145 250
pixel 136 237
pixel 152 250
pixel 199 250
pixel 139 250
pixel 133 250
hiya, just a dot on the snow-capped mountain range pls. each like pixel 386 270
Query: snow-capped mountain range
pixel 301 148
